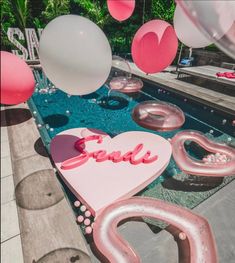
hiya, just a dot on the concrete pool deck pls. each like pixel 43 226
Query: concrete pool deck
pixel 169 81
pixel 37 221
pixel 10 234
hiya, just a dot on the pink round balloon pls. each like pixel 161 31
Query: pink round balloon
pixel 154 46
pixel 121 9
pixel 17 80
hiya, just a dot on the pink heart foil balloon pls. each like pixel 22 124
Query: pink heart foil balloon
pixel 99 179
pixel 198 167
pixel 117 250
pixel 121 9
pixel 154 46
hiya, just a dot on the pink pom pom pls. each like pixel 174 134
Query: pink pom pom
pixel 87 213
pixel 80 219
pixel 77 203
pixel 182 236
pixel 88 230
pixel 87 222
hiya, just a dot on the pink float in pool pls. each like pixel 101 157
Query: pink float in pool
pixel 126 85
pixel 100 170
pixel 122 80
pixel 159 116
pixel 117 250
pixel 221 163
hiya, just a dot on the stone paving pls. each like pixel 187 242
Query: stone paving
pixel 36 223
pixel 11 248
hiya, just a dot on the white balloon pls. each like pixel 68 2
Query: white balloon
pixel 187 31
pixel 215 19
pixel 75 54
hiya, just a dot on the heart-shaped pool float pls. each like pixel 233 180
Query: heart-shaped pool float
pixel 99 181
pixel 199 167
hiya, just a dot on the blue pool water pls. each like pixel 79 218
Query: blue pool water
pixel 111 112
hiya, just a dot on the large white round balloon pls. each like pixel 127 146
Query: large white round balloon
pixel 75 54
pixel 215 19
pixel 187 32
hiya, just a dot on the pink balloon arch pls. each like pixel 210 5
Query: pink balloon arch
pixel 17 80
pixel 154 46
pixel 121 9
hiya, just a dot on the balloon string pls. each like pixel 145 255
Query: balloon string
pixel 179 57
pixel 143 12
pixel 96 8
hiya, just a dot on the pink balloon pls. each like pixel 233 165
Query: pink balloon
pixel 121 9
pixel 154 46
pixel 17 80
pixel 116 249
pixel 206 167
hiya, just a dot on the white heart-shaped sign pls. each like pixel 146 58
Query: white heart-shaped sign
pixel 104 169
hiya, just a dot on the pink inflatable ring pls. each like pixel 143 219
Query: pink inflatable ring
pixel 126 85
pixel 117 250
pixel 203 167
pixel 159 116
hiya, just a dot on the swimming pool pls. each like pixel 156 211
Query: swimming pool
pixel 56 111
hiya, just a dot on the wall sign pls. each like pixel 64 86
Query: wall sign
pixel 29 52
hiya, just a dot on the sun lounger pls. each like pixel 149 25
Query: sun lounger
pixel 207 72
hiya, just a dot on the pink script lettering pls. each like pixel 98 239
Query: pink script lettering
pixel 102 155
